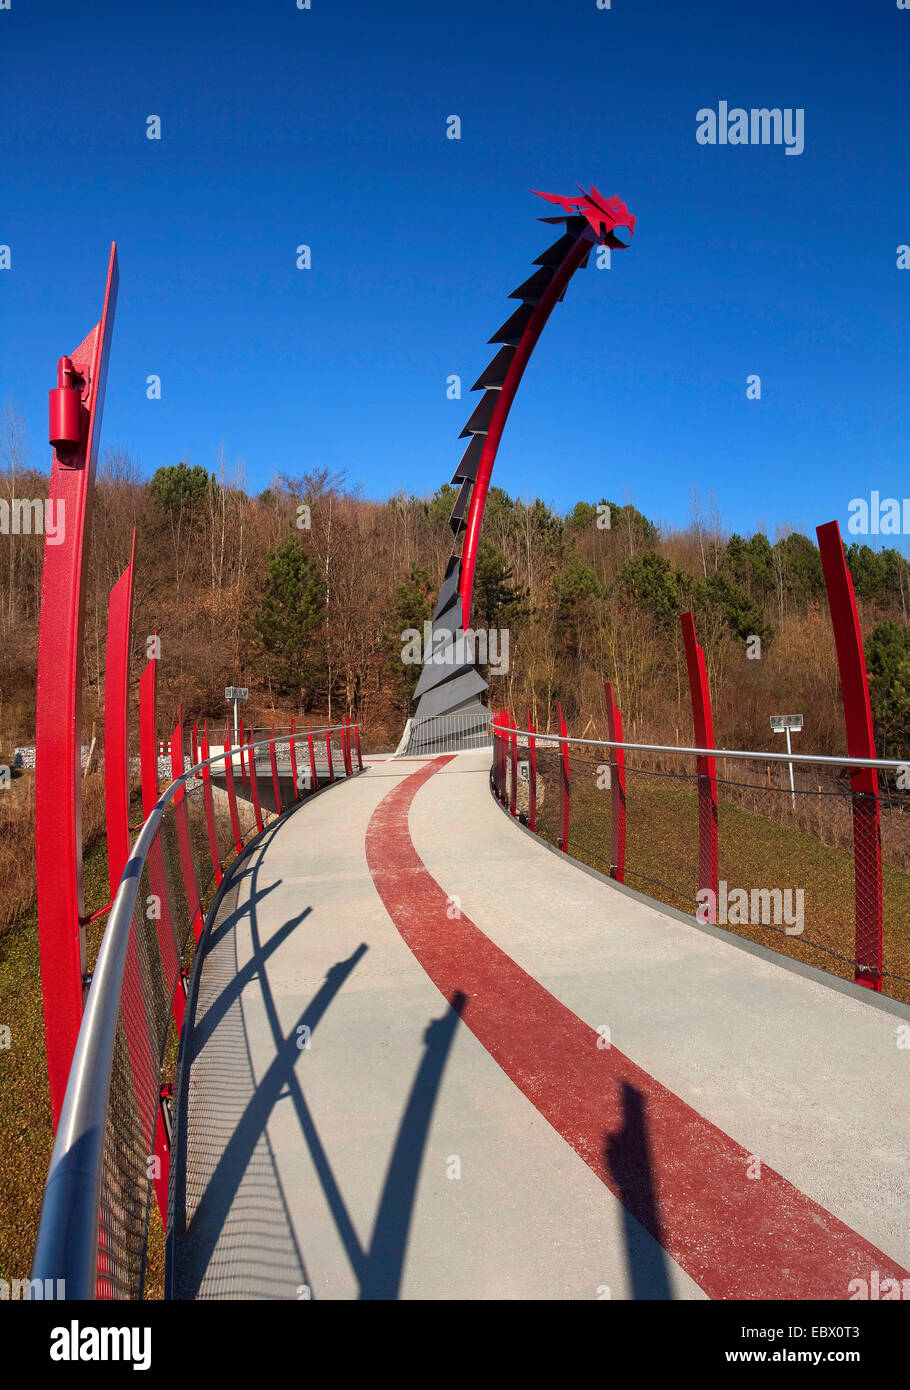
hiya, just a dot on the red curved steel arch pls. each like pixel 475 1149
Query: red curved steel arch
pixel 589 219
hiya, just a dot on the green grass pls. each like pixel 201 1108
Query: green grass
pixel 25 1115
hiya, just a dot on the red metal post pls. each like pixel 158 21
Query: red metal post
pixel 254 784
pixel 513 797
pixel 148 763
pixel 116 736
pixel 707 767
pixel 564 749
pixel 194 745
pixel 292 747
pixel 75 431
pixel 276 788
pixel 232 795
pixel 314 779
pixel 148 735
pixel 854 684
pixel 328 753
pixel 617 788
pixel 532 775
pixel 209 805
pixel 184 839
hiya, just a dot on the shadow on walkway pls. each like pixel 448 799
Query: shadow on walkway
pixel 628 1158
pixel 234 1236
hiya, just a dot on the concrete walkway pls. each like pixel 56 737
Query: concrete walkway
pixel 429 1058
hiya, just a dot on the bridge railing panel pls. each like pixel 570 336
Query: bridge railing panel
pixel 111 1154
pixel 788 863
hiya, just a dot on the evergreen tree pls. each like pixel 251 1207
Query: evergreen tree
pixel 888 667
pixel 288 620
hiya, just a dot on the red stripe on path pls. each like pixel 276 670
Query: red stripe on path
pixel 680 1176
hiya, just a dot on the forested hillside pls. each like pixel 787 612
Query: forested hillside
pixel 302 593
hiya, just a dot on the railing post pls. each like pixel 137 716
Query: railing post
pixel 564 749
pixel 532 775
pixel 497 755
pixel 854 684
pixel 209 805
pixel 254 783
pixel 184 839
pixel 116 744
pixel 617 789
pixel 158 877
pixel 707 768
pixel 293 754
pixel 314 779
pixel 328 754
pixel 194 745
pixel 274 762
pixel 76 408
pixel 231 794
pixel 513 797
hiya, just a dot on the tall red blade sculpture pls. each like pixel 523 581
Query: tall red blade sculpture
pixel 76 407
pixel 450 682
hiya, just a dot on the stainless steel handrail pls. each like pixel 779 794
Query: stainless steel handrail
pixel 755 756
pixel 67 1244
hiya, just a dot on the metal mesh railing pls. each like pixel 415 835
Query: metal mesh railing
pixel 820 873
pixel 444 733
pixel 111 1152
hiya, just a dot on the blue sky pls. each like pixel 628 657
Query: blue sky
pixel 328 127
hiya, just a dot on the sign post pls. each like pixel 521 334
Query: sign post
pixel 235 693
pixel 783 724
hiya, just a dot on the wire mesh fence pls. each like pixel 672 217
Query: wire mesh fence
pixel 819 872
pixel 444 733
pixel 111 1154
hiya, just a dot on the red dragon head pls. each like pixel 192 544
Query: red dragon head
pixel 603 214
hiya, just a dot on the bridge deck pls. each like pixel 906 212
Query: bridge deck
pixel 454 1129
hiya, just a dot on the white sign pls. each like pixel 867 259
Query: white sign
pixel 780 722
pixel 524 770
pixel 236 692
